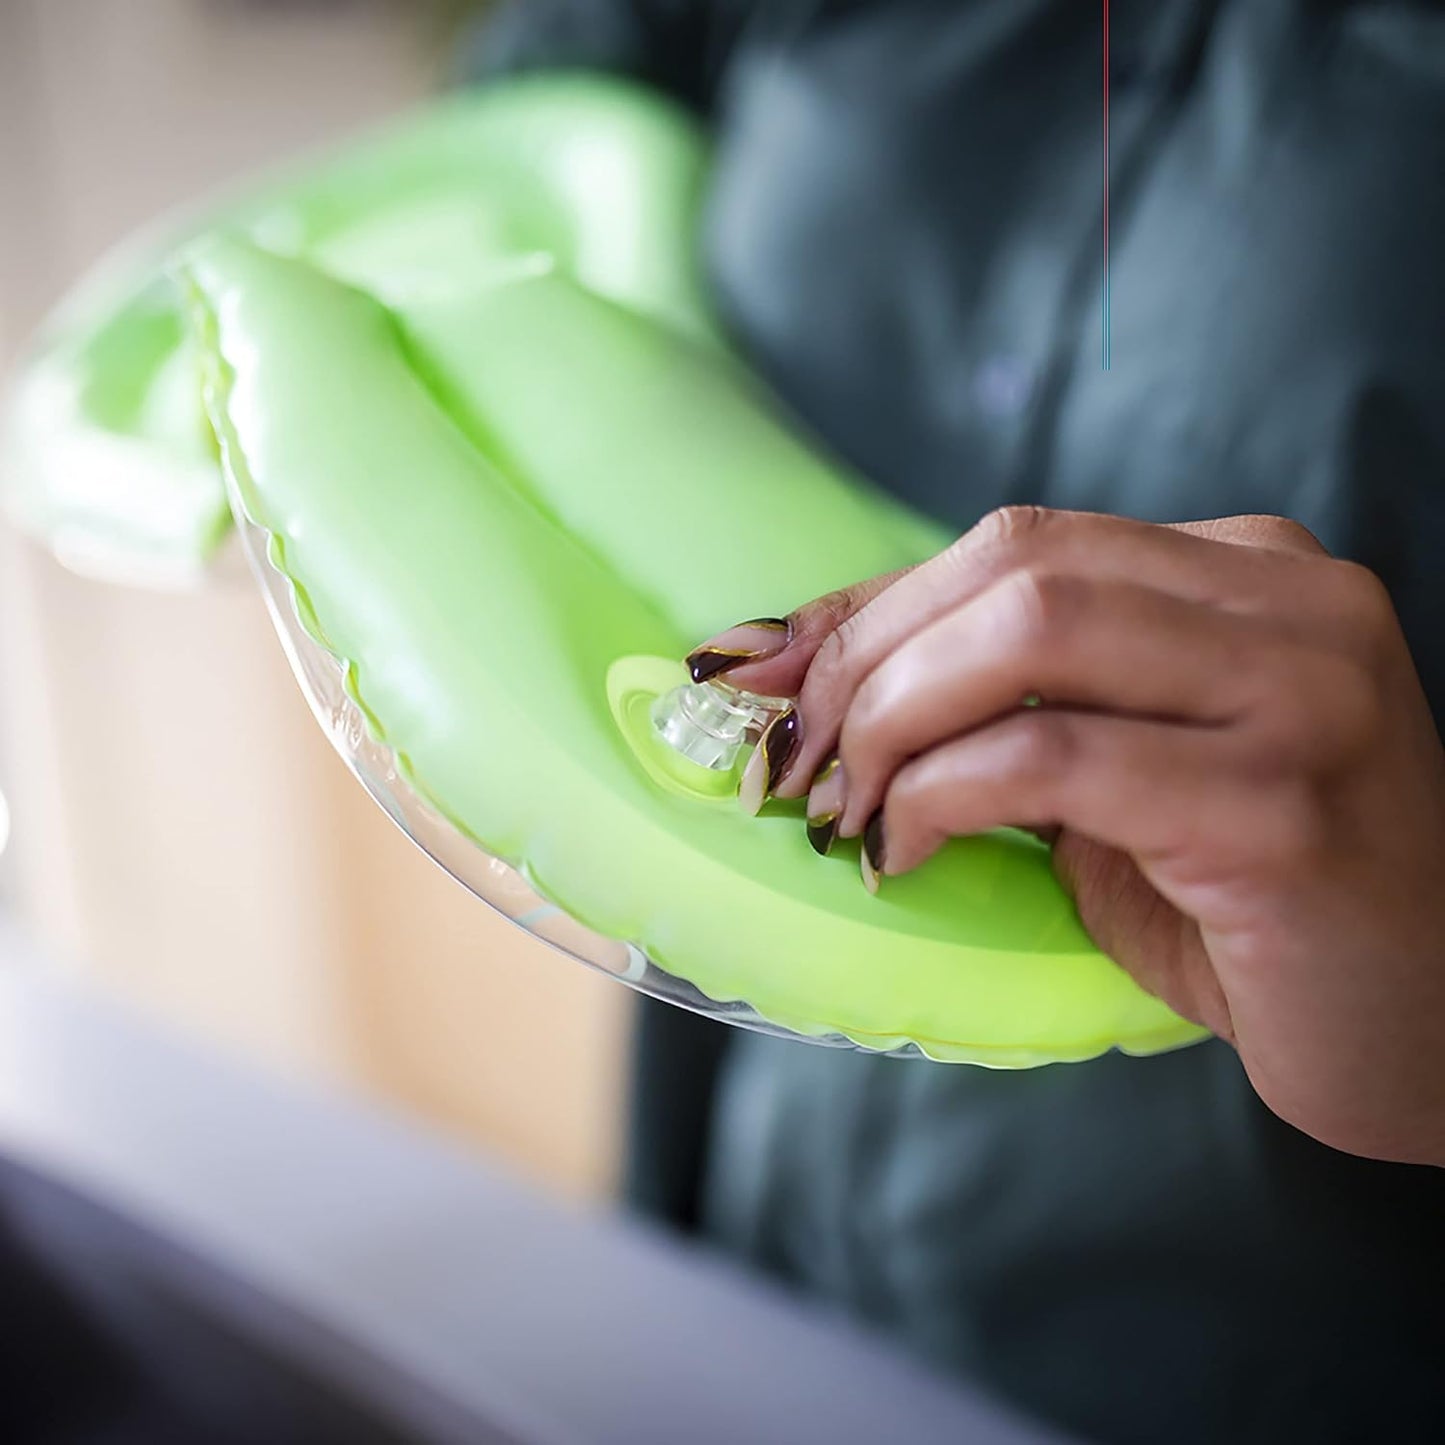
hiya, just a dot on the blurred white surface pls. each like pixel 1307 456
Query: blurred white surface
pixel 430 1284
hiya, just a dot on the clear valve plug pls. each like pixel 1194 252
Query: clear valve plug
pixel 710 723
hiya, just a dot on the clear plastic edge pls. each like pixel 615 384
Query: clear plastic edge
pixel 321 677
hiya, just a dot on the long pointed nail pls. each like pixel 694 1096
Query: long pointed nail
pixel 872 858
pixel 747 642
pixel 770 759
pixel 825 806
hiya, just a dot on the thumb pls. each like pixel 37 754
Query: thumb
pixel 770 655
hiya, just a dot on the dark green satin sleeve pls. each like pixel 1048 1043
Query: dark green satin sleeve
pixel 681 47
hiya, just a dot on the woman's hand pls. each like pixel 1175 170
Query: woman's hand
pixel 1230 749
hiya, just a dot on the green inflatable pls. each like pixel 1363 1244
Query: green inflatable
pixel 479 429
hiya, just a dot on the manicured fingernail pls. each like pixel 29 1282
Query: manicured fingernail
pixel 871 861
pixel 747 642
pixel 769 760
pixel 825 806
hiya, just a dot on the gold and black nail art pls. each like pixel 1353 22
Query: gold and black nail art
pixel 825 806
pixel 874 851
pixel 779 743
pixel 823 833
pixel 746 642
pixel 770 759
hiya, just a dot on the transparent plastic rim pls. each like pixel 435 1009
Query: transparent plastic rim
pixel 320 675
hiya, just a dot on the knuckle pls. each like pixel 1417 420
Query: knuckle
pixel 1041 746
pixel 878 731
pixel 835 659
pixel 1366 601
pixel 1261 530
pixel 1367 593
pixel 875 703
pixel 1328 712
pixel 1292 833
pixel 834 611
pixel 826 616
pixel 1041 609
pixel 865 738
pixel 1008 526
pixel 1277 749
pixel 848 652
pixel 914 811
pixel 1284 534
pixel 1355 716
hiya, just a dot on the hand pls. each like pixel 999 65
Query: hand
pixel 1230 749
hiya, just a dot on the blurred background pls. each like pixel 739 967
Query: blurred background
pixel 182 834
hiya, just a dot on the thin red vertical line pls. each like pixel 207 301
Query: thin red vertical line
pixel 1108 317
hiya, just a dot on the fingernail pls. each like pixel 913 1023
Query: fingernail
pixel 765 768
pixel 825 806
pixel 747 642
pixel 871 861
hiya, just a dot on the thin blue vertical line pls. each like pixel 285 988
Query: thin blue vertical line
pixel 1108 316
pixel 1108 320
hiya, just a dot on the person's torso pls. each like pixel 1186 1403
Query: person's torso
pixel 906 232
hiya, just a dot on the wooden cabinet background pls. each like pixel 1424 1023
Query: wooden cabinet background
pixel 182 832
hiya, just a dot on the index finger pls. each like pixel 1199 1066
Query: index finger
pixel 1234 564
